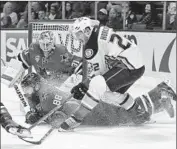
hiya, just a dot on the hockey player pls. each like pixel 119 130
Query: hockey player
pixel 43 95
pixel 45 69
pixel 51 61
pixel 10 126
pixel 114 64
pixel 47 58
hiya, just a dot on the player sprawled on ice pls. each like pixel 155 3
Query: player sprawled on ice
pixel 9 125
pixel 114 64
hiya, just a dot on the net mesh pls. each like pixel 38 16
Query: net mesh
pixel 55 27
pixel 61 32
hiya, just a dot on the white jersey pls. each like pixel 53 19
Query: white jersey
pixel 106 47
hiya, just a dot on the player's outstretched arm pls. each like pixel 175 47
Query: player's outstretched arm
pixel 10 126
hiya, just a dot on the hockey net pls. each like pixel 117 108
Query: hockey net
pixel 63 35
pixel 61 30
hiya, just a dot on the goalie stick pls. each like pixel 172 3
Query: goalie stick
pixel 41 120
pixel 41 140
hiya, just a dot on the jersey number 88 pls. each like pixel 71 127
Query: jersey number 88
pixel 57 100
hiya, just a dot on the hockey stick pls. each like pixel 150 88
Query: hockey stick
pixel 41 140
pixel 84 79
pixel 42 119
pixel 19 92
pixel 50 113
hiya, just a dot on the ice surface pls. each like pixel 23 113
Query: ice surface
pixel 161 135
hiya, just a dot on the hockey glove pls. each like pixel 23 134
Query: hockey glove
pixel 79 91
pixel 15 129
pixel 32 117
pixel 70 124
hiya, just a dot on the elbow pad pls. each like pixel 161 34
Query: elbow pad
pixel 19 58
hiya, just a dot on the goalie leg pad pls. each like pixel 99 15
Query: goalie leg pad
pixel 13 73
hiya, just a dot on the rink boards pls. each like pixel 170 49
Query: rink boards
pixel 158 49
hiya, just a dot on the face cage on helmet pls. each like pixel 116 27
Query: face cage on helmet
pixel 82 28
pixel 46 46
pixel 82 35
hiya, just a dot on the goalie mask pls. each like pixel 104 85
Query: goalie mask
pixel 46 42
pixel 82 29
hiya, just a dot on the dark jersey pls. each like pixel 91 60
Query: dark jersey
pixel 50 95
pixel 59 60
pixel 4 115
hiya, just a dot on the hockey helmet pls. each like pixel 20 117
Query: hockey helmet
pixel 30 81
pixel 82 28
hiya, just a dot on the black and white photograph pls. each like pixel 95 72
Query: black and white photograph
pixel 88 74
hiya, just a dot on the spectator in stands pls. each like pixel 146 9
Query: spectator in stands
pixel 34 15
pixel 2 6
pixel 36 6
pixel 23 23
pixel 19 6
pixel 149 17
pixel 171 17
pixel 102 4
pixel 54 14
pixel 115 19
pixel 42 15
pixel 110 4
pixel 103 16
pixel 77 10
pixel 68 10
pixel 6 22
pixel 7 11
pixel 87 10
pixel 130 16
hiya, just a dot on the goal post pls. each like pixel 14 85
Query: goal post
pixel 62 33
